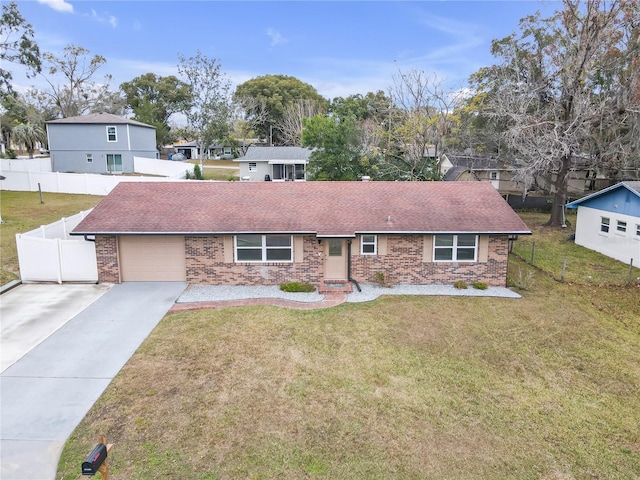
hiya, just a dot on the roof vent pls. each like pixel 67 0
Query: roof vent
pixel 389 219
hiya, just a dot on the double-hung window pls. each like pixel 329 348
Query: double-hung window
pixel 368 245
pixel 253 167
pixel 264 248
pixel 89 157
pixel 604 224
pixel 638 230
pixel 112 134
pixel 455 248
pixel 621 226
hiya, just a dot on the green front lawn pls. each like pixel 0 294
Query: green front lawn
pixel 404 387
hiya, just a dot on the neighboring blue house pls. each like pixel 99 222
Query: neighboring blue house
pixel 609 222
pixel 99 143
pixel 274 163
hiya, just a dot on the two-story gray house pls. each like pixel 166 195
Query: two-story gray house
pixel 99 143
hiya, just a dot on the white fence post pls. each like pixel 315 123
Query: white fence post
pixel 59 249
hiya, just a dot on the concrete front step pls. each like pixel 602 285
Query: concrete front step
pixel 341 286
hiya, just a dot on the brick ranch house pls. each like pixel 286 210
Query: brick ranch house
pixel 323 233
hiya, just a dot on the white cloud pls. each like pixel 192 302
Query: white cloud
pixel 58 5
pixel 108 19
pixel 276 37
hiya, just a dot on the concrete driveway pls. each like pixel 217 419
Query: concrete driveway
pixel 47 392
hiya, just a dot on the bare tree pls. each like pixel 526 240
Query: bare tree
pixel 245 123
pixel 210 112
pixel 567 87
pixel 73 90
pixel 419 120
pixel 291 123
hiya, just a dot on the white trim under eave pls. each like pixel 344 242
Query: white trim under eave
pixel 443 232
pixel 251 232
pixel 287 162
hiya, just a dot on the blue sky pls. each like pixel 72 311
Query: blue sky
pixel 340 48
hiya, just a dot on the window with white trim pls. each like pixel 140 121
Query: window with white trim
pixel 621 226
pixel 638 229
pixel 89 157
pixel 369 245
pixel 112 134
pixel 264 248
pixel 604 224
pixel 253 167
pixel 455 248
pixel 494 175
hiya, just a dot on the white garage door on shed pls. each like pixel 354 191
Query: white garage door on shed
pixel 147 258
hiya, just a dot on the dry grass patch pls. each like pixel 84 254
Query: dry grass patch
pixel 404 387
pixel 552 245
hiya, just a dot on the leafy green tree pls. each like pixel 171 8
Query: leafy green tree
pixel 18 109
pixel 29 136
pixel 210 108
pixel 362 107
pixel 16 45
pixel 266 100
pixel 568 86
pixel 153 99
pixel 338 153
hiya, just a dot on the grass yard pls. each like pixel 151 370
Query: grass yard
pixel 222 174
pixel 23 212
pixel 584 266
pixel 401 388
pixel 222 170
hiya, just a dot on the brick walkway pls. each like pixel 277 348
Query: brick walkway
pixel 331 299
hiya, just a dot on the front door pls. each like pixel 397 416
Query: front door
pixel 336 259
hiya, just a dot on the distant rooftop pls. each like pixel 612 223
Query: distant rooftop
pixel 255 153
pixel 99 118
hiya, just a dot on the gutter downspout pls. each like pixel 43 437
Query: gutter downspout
pixel 349 266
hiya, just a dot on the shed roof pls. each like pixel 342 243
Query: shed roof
pixel 266 154
pixel 632 186
pixel 322 208
pixel 99 118
pixel 477 162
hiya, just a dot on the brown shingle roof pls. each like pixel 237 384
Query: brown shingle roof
pixel 324 208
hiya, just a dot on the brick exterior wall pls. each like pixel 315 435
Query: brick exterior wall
pixel 403 263
pixel 206 265
pixel 107 259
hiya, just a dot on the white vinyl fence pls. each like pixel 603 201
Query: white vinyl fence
pixel 25 164
pixel 166 168
pixel 50 254
pixel 79 183
pixel 86 183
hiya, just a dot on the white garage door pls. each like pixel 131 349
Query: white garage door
pixel 152 259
